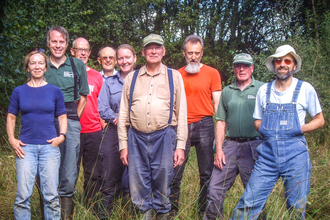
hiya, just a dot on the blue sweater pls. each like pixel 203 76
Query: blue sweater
pixel 38 107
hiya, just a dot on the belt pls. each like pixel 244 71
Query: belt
pixel 239 139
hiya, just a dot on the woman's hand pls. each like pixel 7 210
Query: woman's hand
pixel 16 145
pixel 55 142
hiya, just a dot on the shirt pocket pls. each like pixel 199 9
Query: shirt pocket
pixel 163 92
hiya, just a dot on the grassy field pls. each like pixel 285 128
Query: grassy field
pixel 318 206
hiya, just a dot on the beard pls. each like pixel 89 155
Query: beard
pixel 283 77
pixel 192 68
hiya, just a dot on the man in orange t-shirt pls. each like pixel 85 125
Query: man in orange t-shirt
pixel 202 85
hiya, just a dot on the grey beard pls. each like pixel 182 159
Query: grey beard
pixel 192 68
pixel 284 77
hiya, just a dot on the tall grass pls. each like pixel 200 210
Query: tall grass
pixel 318 206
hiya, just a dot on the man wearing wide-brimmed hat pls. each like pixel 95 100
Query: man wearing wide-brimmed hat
pixel 154 104
pixel 279 114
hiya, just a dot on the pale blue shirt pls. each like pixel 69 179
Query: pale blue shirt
pixel 110 96
pixel 307 100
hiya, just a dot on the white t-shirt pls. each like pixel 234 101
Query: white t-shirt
pixel 307 100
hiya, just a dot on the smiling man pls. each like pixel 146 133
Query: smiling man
pixel 60 73
pixel 202 86
pixel 153 102
pixel 91 129
pixel 236 137
pixel 107 59
pixel 280 112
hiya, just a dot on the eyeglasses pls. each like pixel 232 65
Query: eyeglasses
pixel 157 48
pixel 108 57
pixel 79 50
pixel 240 65
pixel 278 61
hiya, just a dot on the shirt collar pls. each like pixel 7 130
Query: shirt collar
pixel 234 85
pixel 162 70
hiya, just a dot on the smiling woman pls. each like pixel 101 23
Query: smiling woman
pixel 37 149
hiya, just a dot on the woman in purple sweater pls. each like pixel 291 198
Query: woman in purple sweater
pixel 36 150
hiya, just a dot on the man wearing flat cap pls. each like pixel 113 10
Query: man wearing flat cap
pixel 236 137
pixel 279 114
pixel 153 106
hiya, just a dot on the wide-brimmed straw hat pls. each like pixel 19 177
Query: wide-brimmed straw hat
pixel 281 52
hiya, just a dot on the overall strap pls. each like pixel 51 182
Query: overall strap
pixel 170 80
pixel 269 86
pixel 75 78
pixel 131 94
pixel 296 92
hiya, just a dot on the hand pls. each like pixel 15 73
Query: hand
pixel 115 121
pixel 124 156
pixel 219 159
pixel 178 157
pixel 16 145
pixel 55 142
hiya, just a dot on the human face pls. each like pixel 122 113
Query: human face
pixel 57 44
pixel 243 71
pixel 125 60
pixel 37 66
pixel 193 53
pixel 154 53
pixel 284 70
pixel 81 50
pixel 107 59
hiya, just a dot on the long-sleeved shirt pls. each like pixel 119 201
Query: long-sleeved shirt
pixel 110 96
pixel 150 109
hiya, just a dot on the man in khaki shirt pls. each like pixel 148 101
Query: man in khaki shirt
pixel 155 141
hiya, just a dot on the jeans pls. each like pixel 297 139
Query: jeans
pixel 201 135
pixel 150 168
pixel 89 153
pixel 45 161
pixel 69 158
pixel 240 159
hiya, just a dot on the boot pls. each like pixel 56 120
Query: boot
pixel 163 216
pixel 67 206
pixel 148 215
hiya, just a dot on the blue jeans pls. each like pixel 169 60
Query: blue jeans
pixel 201 135
pixel 69 157
pixel 45 160
pixel 150 168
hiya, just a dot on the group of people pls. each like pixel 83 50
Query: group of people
pixel 133 130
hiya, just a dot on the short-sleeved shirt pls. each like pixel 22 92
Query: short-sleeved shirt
pixel 63 78
pixel 38 107
pixel 236 109
pixel 199 88
pixel 307 100
pixel 150 109
pixel 90 119
pixel 110 96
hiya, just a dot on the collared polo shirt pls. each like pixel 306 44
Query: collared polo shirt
pixel 236 108
pixel 151 105
pixel 62 77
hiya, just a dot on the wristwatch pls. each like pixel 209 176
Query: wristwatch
pixel 63 135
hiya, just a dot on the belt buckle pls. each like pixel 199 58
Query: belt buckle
pixel 241 139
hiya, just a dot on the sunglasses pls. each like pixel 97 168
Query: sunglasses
pixel 278 61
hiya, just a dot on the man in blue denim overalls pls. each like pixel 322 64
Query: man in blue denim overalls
pixel 279 114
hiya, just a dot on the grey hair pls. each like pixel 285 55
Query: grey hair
pixel 193 39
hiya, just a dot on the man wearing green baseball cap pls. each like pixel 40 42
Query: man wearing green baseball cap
pixel 236 137
pixel 154 103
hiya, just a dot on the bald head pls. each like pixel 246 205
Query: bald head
pixel 107 59
pixel 81 49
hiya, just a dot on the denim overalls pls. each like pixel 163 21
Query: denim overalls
pixel 284 153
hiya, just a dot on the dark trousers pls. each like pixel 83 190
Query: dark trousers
pixel 240 159
pixel 89 154
pixel 112 169
pixel 201 135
